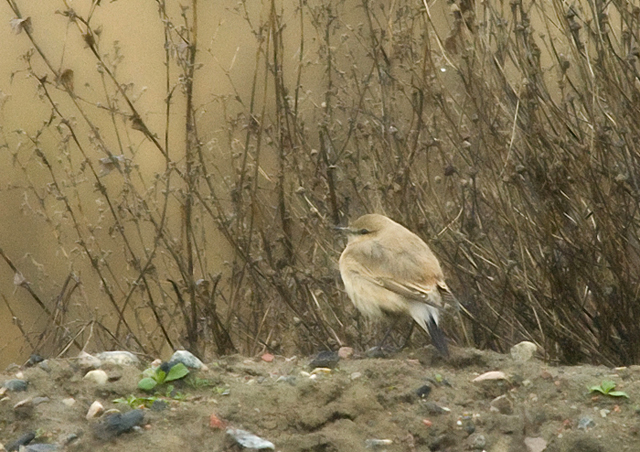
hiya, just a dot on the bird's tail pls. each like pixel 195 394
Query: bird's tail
pixel 427 317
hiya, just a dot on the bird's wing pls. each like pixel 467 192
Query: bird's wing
pixel 411 291
pixel 415 276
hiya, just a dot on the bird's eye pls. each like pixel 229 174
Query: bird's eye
pixel 363 231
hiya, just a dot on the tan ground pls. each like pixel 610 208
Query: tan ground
pixel 360 400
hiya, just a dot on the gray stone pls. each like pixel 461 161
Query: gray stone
pixel 477 441
pixel 15 385
pixel 523 351
pixel 121 358
pixel 187 358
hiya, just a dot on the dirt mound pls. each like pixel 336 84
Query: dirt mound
pixel 412 401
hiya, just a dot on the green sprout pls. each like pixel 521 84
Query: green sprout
pixel 607 388
pixel 137 402
pixel 153 377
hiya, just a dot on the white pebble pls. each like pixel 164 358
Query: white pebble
pixel 492 375
pixel 98 376
pixel 95 410
pixel 523 351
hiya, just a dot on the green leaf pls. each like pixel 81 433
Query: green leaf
pixel 160 377
pixel 177 372
pixel 608 385
pixel 618 394
pixel 147 384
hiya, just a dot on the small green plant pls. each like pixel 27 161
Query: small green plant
pixel 153 377
pixel 137 402
pixel 607 388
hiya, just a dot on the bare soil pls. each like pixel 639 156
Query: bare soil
pixel 415 400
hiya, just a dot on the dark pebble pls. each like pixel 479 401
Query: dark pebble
pixel 434 408
pixel 33 360
pixel 159 405
pixel 22 441
pixel 325 358
pixel 423 391
pixel 15 385
pixel 117 424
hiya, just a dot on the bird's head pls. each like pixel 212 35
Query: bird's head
pixel 367 227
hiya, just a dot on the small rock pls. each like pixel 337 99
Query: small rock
pixel 523 351
pixel 355 375
pixel 69 401
pixel 502 404
pixel 374 443
pixel 535 444
pixel 159 405
pixel 24 408
pixel 15 385
pixel 120 358
pixel 345 352
pixel 249 440
pixel 38 400
pixel 466 423
pixel 216 423
pixel 87 361
pixel 546 375
pixel 116 424
pixel 604 412
pixel 41 447
pixel 477 441
pixel 326 359
pixel 291 379
pixel 23 403
pixel 71 437
pixel 33 360
pixel 44 365
pixel 423 391
pixel 434 408
pixel 321 371
pixel 623 372
pixel 95 410
pixel 492 375
pixel 22 441
pixel 267 357
pixel 586 423
pixel 188 359
pixel 97 376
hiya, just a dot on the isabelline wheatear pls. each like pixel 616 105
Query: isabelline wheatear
pixel 388 269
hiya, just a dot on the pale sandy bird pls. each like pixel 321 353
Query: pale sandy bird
pixel 388 269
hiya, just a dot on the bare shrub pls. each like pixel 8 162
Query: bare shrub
pixel 504 134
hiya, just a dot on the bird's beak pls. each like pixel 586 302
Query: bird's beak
pixel 342 229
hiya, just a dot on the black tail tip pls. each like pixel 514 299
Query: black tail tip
pixel 438 338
